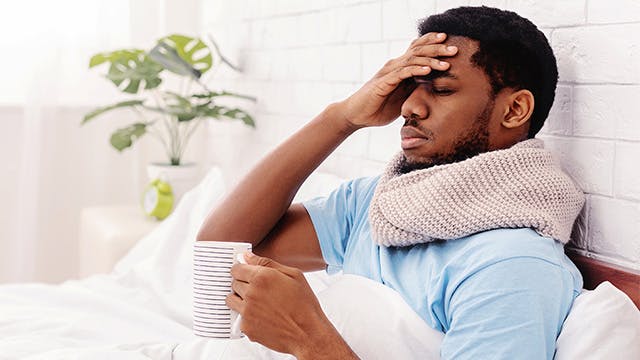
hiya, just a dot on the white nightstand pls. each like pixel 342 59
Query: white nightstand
pixel 106 235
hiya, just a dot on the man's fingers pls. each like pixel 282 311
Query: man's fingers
pixel 234 302
pixel 240 288
pixel 421 55
pixel 433 50
pixel 429 38
pixel 244 272
pixel 254 259
pixel 391 80
pixel 435 64
pixel 248 273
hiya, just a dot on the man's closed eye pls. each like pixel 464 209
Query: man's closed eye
pixel 441 91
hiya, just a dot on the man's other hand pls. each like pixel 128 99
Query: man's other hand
pixel 280 311
pixel 378 101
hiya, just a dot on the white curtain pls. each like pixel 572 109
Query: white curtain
pixel 52 167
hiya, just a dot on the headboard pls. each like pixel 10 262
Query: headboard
pixel 595 271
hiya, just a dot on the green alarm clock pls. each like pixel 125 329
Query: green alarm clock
pixel 157 199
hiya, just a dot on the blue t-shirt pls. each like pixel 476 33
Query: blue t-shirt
pixel 498 294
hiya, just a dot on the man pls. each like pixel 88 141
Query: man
pixel 467 223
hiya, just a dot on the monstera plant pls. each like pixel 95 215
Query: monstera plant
pixel 171 117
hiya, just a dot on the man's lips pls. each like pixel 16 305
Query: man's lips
pixel 412 138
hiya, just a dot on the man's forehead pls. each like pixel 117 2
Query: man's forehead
pixel 461 62
pixel 466 48
pixel 464 44
pixel 435 74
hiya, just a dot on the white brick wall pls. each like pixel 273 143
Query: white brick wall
pixel 299 56
pixel 598 53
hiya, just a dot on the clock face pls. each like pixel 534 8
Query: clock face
pixel 150 200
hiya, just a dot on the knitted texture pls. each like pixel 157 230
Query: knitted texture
pixel 518 187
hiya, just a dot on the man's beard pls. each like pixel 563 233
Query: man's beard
pixel 467 145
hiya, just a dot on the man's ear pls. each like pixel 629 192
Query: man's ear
pixel 519 109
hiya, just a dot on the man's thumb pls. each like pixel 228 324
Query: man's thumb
pixel 253 259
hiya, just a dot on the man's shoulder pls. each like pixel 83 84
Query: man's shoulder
pixel 364 185
pixel 358 191
pixel 350 199
pixel 491 246
pixel 362 190
pixel 507 252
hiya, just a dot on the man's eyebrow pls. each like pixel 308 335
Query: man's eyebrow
pixel 435 75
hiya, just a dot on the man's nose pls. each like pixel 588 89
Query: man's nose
pixel 416 105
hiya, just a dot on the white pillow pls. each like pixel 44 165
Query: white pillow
pixel 603 324
pixel 378 324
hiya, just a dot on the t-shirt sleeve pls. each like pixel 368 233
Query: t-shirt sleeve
pixel 332 218
pixel 512 309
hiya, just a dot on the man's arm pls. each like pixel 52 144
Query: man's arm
pixel 259 207
pixel 254 210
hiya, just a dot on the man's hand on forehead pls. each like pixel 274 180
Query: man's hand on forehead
pixel 434 74
pixel 429 47
pixel 379 101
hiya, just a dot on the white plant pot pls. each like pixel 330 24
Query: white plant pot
pixel 181 177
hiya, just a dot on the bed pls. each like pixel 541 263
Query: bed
pixel 595 272
pixel 143 308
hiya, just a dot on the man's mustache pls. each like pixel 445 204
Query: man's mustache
pixel 413 122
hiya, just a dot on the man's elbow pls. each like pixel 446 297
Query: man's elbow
pixel 206 233
pixel 216 231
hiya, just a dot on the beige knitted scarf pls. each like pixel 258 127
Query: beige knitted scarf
pixel 518 187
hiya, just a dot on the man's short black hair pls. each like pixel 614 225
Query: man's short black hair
pixel 512 52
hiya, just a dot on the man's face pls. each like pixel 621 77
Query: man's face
pixel 447 117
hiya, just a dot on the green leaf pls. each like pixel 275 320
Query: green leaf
pixel 176 106
pixel 126 54
pixel 97 60
pixel 212 94
pixel 175 100
pixel 129 69
pixel 180 107
pixel 237 114
pixel 186 109
pixel 183 55
pixel 248 120
pixel 124 138
pixel 101 110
